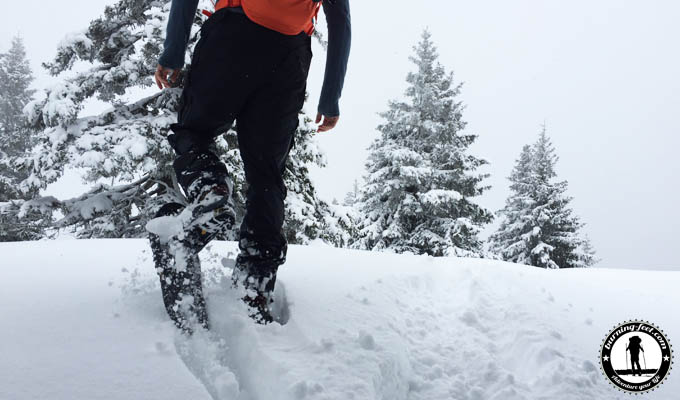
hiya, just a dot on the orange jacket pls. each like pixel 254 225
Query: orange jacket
pixel 289 17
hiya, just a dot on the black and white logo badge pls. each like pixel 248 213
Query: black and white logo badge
pixel 636 356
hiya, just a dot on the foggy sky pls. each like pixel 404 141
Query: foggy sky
pixel 602 75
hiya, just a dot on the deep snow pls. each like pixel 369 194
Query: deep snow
pixel 84 320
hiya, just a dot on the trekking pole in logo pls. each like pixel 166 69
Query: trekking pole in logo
pixel 632 339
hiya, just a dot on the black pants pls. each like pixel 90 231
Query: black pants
pixel 257 77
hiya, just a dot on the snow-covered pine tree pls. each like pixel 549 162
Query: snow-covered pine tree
pixel 511 240
pixel 586 252
pixel 15 141
pixel 15 93
pixel 353 195
pixel 421 181
pixel 127 144
pixel 539 228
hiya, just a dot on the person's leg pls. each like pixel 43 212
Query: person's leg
pixel 266 129
pixel 214 93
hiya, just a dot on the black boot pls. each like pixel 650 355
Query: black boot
pixel 205 182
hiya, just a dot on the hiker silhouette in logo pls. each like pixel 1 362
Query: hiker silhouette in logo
pixel 634 347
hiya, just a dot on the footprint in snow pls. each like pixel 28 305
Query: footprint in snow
pixel 556 335
pixel 470 319
pixel 366 341
pixel 324 346
pixel 327 344
pixel 547 354
pixel 588 366
pixel 200 354
pixel 301 389
pixel 162 348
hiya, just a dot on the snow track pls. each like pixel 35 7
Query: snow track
pixel 362 326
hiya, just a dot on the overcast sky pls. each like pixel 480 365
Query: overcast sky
pixel 603 75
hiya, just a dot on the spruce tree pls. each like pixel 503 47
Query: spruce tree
pixel 539 228
pixel 586 253
pixel 352 196
pixel 127 144
pixel 15 141
pixel 15 93
pixel 511 241
pixel 421 182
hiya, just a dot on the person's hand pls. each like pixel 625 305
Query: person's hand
pixel 328 122
pixel 162 74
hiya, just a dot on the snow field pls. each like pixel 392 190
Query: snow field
pixel 84 319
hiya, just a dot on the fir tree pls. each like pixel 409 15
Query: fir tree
pixel 539 228
pixel 352 196
pixel 15 141
pixel 420 180
pixel 15 94
pixel 512 238
pixel 586 253
pixel 127 144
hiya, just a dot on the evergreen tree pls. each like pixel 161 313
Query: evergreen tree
pixel 15 94
pixel 586 253
pixel 538 227
pixel 127 144
pixel 352 196
pixel 15 141
pixel 420 180
pixel 512 238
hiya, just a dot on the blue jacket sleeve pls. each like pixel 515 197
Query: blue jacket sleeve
pixel 181 18
pixel 339 43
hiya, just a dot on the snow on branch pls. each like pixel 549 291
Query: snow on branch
pixel 104 211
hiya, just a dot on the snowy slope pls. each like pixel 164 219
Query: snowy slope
pixel 84 320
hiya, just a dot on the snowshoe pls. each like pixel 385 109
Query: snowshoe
pixel 256 286
pixel 181 287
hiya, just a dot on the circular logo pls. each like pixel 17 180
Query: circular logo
pixel 636 356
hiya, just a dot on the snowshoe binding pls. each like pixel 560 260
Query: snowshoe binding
pixel 205 218
pixel 188 229
pixel 213 213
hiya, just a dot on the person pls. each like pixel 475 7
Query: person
pixel 634 347
pixel 250 67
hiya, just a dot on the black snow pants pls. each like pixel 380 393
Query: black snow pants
pixel 257 77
